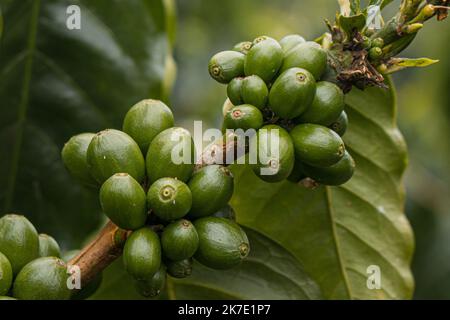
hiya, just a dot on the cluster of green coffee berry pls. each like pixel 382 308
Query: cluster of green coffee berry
pixel 144 190
pixel 374 47
pixel 278 85
pixel 30 267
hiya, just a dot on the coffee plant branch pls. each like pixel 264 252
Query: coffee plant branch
pixel 100 253
pixel 347 38
pixel 107 246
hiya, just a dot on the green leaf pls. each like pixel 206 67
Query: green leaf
pixel 57 82
pixel 352 23
pixel 397 64
pixel 338 232
pixel 269 272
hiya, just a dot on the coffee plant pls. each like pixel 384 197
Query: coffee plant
pixel 306 220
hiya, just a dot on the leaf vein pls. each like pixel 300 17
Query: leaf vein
pixel 336 242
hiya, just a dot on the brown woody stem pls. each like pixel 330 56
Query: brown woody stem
pixel 101 252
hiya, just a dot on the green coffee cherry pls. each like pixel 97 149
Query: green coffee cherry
pixel 212 188
pixel 375 53
pixel 227 106
pixel 223 244
pixel 152 287
pixel 19 241
pixel 334 175
pixel 145 120
pixel 327 105
pixel 179 240
pixel 275 157
pixel 177 141
pixel 234 89
pixel 249 90
pixel 290 41
pixel 42 279
pixel 6 274
pixel 226 65
pixel 309 56
pixel 340 124
pixel 124 202
pixel 88 289
pixel 243 47
pixel 142 254
pixel 180 269
pixel 226 212
pixel 169 198
pixel 367 42
pixel 244 116
pixel 292 93
pixel 317 145
pixel 254 91
pixel 113 151
pixel 264 59
pixel 330 74
pixel 378 43
pixel 48 247
pixel 74 156
pixel 297 172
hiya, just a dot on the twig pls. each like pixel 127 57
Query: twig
pixel 100 253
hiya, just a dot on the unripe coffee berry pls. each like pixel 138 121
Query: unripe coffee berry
pixel 212 188
pixel 243 117
pixel 179 240
pixel 123 200
pixel 113 151
pixel 145 120
pixel 292 93
pixel 169 198
pixel 142 254
pixel 6 274
pixel 19 241
pixel 42 279
pixel 152 288
pixel 74 156
pixel 179 269
pixel 264 59
pixel 327 105
pixel 48 247
pixel 317 145
pixel 223 244
pixel 226 65
pixel 340 124
pixel 160 162
pixel 243 47
pixel 309 56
